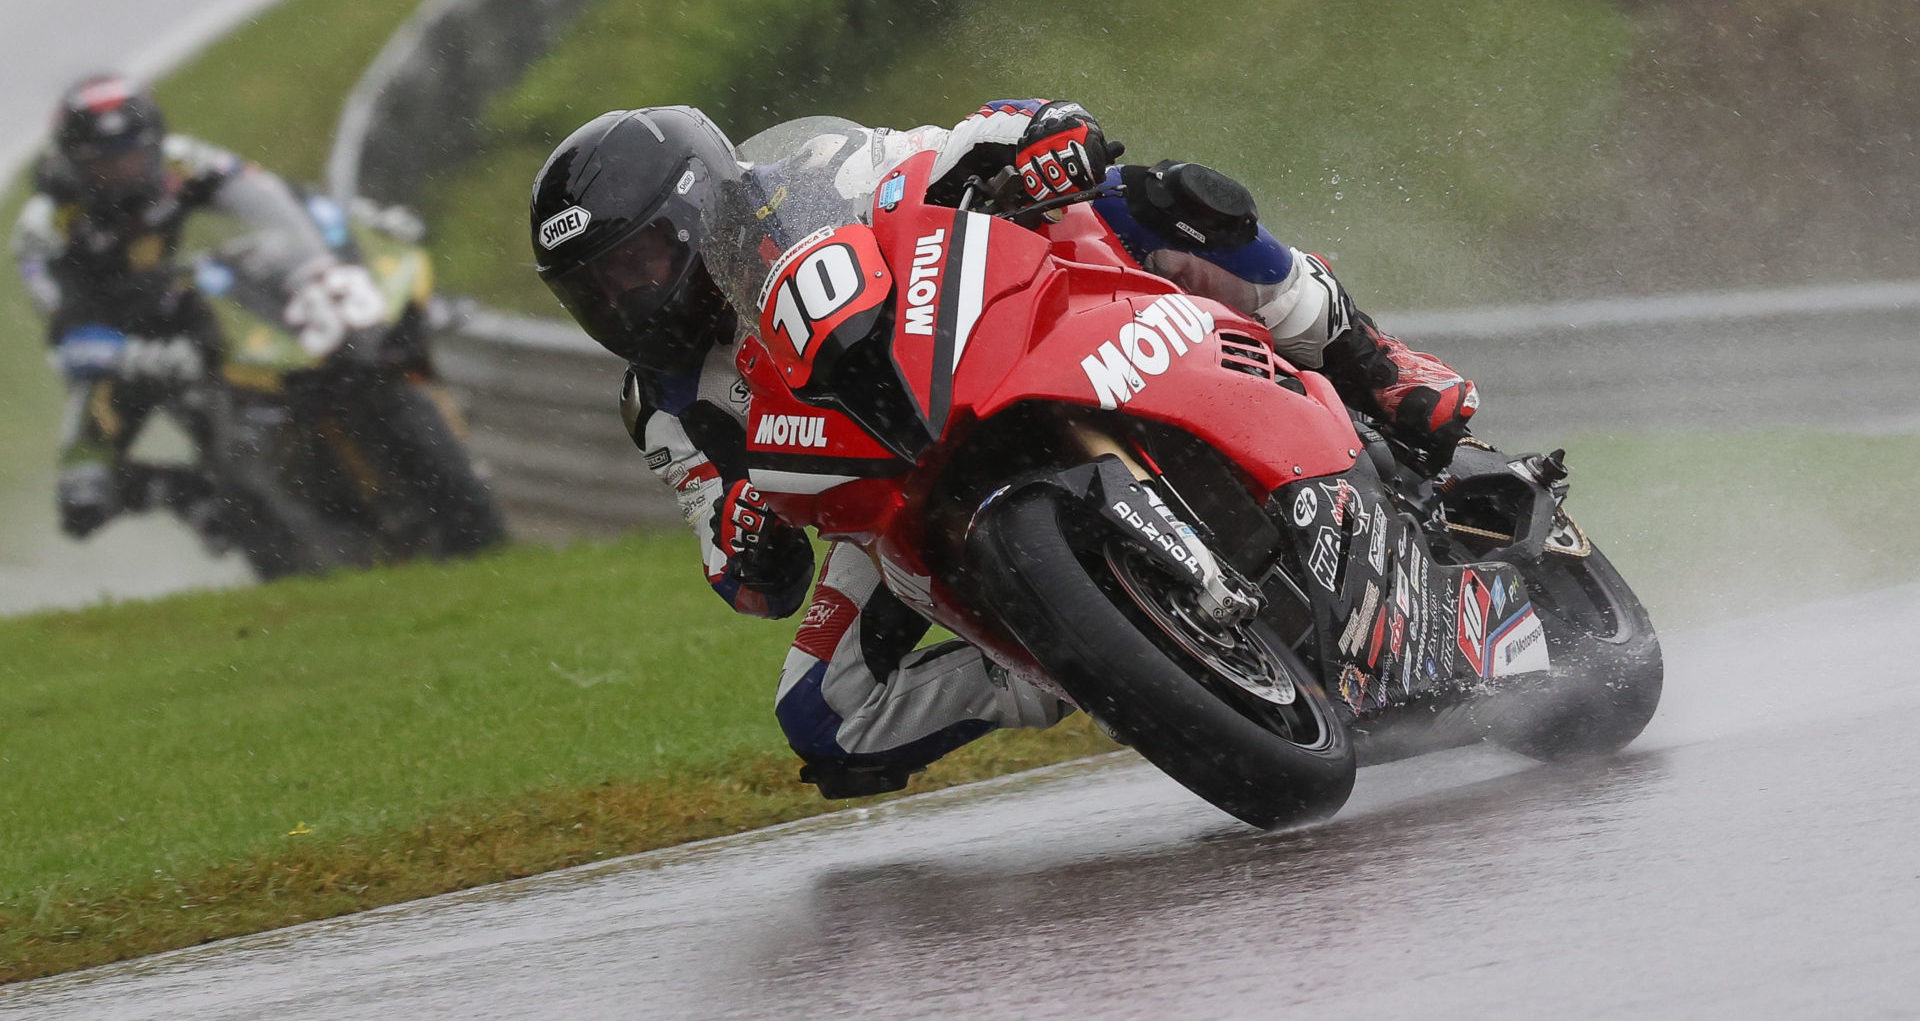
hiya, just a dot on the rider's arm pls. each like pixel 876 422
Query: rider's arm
pixel 1055 146
pixel 700 476
pixel 37 243
pixel 979 145
pixel 282 239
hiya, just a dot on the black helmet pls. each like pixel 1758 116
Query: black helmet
pixel 109 135
pixel 616 231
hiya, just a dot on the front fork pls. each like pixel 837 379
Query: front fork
pixel 1127 499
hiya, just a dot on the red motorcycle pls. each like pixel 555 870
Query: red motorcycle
pixel 1118 491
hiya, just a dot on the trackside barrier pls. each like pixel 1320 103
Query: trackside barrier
pixel 542 402
pixel 543 399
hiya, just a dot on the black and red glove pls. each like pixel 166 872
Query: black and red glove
pixel 763 551
pixel 1062 151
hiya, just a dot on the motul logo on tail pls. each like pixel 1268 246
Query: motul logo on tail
pixel 923 283
pixel 1170 326
pixel 792 431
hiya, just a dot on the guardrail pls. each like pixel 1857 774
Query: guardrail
pixel 417 108
pixel 542 406
pixel 542 399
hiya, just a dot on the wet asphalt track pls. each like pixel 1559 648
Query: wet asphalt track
pixel 1754 855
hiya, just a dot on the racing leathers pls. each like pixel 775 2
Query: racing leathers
pixel 860 704
pixel 127 331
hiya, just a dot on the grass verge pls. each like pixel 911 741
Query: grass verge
pixel 220 763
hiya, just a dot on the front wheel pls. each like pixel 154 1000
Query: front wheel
pixel 426 476
pixel 1229 712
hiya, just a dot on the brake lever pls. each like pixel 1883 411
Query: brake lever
pixel 1029 216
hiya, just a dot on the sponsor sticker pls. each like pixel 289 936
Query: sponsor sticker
pixel 1146 347
pixel 923 283
pixel 1352 686
pixel 1304 507
pixel 791 431
pixel 1324 561
pixel 565 224
pixel 658 458
pixel 1472 631
pixel 1166 540
pixel 1377 548
pixel 1520 645
pixel 1356 631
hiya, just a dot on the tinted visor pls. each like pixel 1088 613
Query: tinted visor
pixel 111 170
pixel 617 293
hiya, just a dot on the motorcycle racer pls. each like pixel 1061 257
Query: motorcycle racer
pixel 615 219
pixel 97 246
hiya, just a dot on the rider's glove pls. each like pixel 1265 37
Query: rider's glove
pixel 1062 151
pixel 87 498
pixel 1431 421
pixel 764 552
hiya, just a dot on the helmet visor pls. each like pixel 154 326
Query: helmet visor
pixel 118 169
pixel 615 294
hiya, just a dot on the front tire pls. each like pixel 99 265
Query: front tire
pixel 425 470
pixel 1205 708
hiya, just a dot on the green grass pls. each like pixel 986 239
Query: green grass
pixel 1709 526
pixel 743 61
pixel 400 732
pixel 1399 139
pixel 216 763
pixel 172 734
pixel 272 90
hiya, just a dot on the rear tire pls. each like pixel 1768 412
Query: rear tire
pixel 1607 671
pixel 1088 612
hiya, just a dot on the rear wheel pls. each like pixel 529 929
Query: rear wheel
pixel 1228 711
pixel 1607 672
